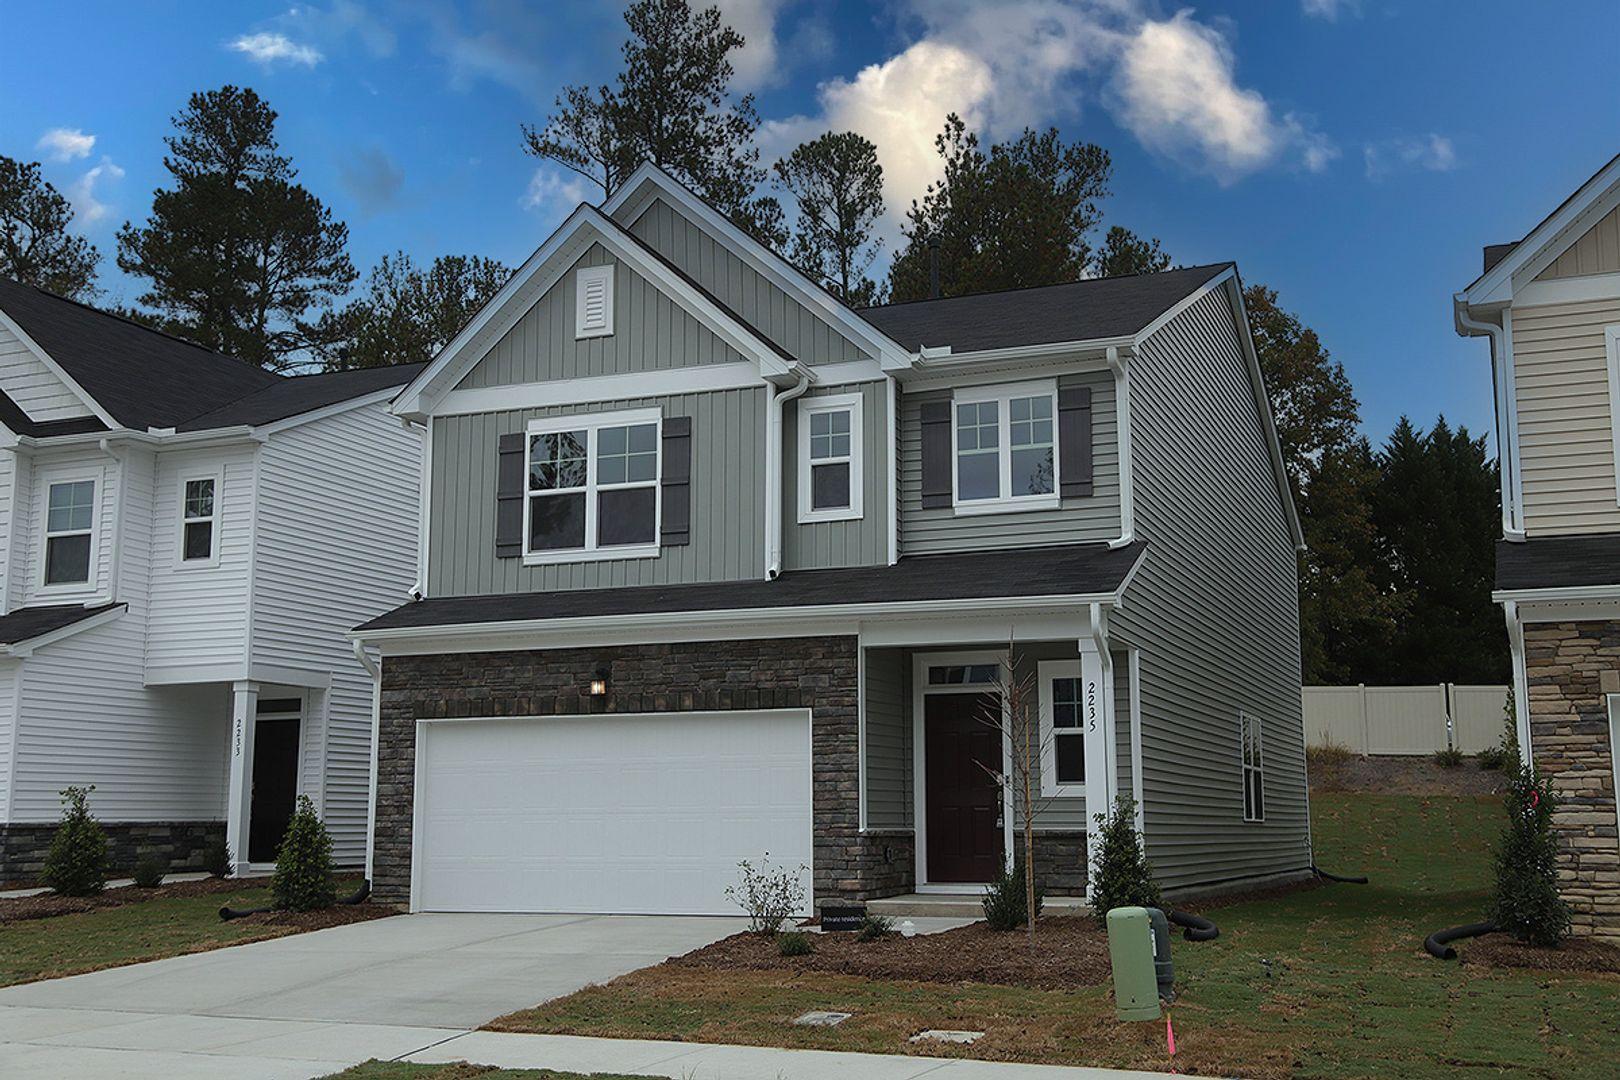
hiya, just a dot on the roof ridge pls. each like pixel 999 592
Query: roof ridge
pixel 1048 285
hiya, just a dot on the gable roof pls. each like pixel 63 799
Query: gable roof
pixel 29 623
pixel 1075 311
pixel 298 394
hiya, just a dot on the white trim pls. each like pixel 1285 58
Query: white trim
pixel 702 378
pixel 1511 379
pixel 1133 660
pixel 1537 250
pixel 1119 363
pixel 585 278
pixel 1045 672
pixel 633 196
pixel 216 476
pixel 1002 394
pixel 1570 290
pixel 1521 679
pixel 60 372
pixel 860 736
pixel 1611 352
pixel 8 804
pixel 1560 594
pixel 261 431
pixel 891 407
pixel 44 480
pixel 424 509
pixel 855 459
pixel 29 646
pixel 920 663
pixel 1252 730
pixel 592 424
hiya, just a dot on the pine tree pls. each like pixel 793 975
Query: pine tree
pixel 76 863
pixel 837 188
pixel 1527 903
pixel 36 247
pixel 1124 253
pixel 303 877
pixel 408 313
pixel 1123 877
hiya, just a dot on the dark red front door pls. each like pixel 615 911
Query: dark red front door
pixel 961 752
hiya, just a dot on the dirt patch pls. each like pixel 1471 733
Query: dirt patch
pixel 1576 954
pixel 337 915
pixel 1067 952
pixel 49 905
pixel 1207 902
pixel 1341 770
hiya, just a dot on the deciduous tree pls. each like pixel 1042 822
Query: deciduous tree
pixel 36 247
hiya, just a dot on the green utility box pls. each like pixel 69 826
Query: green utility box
pixel 1131 951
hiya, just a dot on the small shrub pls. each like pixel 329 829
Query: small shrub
pixel 76 864
pixel 1527 903
pixel 875 928
pixel 1124 877
pixel 1505 754
pixel 1006 907
pixel 1449 758
pixel 303 877
pixel 770 895
pixel 149 870
pixel 217 858
pixel 1491 759
pixel 794 943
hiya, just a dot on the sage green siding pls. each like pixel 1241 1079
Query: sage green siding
pixel 1213 609
pixel 728 498
pixel 762 305
pixel 1095 517
pixel 650 332
pixel 863 541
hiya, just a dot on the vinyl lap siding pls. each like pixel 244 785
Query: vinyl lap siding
pixel 1566 445
pixel 728 499
pixel 338 504
pixel 8 496
pixel 29 575
pixel 860 542
pixel 1214 610
pixel 1596 252
pixel 9 670
pixel 744 290
pixel 33 386
pixel 932 531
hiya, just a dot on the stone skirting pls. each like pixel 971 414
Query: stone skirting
pixel 1569 667
pixel 1060 861
pixel 181 844
pixel 820 674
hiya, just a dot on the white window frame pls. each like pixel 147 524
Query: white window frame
pixel 1004 393
pixel 591 424
pixel 181 521
pixel 1250 729
pixel 48 480
pixel 1045 672
pixel 586 275
pixel 808 407
pixel 1611 349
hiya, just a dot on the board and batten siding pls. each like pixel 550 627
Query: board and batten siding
pixel 1213 610
pixel 863 541
pixel 651 332
pixel 766 308
pixel 937 530
pixel 1596 252
pixel 1566 442
pixel 337 517
pixel 728 500
pixel 33 386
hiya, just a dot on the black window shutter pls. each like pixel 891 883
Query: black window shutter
pixel 676 482
pixel 1074 441
pixel 509 476
pixel 936 453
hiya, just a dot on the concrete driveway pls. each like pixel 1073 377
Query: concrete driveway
pixel 303 1005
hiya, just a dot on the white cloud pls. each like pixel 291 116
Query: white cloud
pixel 66 144
pixel 1409 153
pixel 1316 150
pixel 269 48
pixel 758 63
pixel 1330 9
pixel 87 208
pixel 553 194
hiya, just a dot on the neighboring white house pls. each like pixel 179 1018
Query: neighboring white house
pixel 184 539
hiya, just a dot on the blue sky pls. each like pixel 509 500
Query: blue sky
pixel 1352 155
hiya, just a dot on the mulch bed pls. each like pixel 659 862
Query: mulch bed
pixel 1068 951
pixel 337 915
pixel 1576 955
pixel 49 905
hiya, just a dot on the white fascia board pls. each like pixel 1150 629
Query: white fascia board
pixel 1598 594
pixel 164 438
pixel 638 191
pixel 56 369
pixel 1573 290
pixel 1021 360
pixel 1548 240
pixel 334 409
pixel 27 648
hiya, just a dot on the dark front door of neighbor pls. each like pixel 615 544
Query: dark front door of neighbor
pixel 961 754
pixel 275 785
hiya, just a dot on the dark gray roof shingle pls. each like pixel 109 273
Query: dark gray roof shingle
pixel 302 394
pixel 1557 562
pixel 1076 311
pixel 1070 570
pixel 28 623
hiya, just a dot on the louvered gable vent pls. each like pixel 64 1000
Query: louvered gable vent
pixel 593 302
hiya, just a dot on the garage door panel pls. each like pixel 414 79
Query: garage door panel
pixel 608 813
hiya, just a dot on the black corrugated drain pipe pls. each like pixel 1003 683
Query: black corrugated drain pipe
pixel 1438 944
pixel 358 897
pixel 1197 928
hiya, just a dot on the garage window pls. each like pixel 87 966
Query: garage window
pixel 592 487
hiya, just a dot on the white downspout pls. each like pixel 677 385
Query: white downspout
pixel 1507 454
pixel 375 672
pixel 116 561
pixel 773 473
pixel 1521 689
pixel 1122 428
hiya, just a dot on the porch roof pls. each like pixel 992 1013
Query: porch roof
pixel 1091 570
pixel 1558 562
pixel 26 624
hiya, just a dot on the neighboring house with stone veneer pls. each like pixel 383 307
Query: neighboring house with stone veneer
pixel 1550 305
pixel 716 566
pixel 185 540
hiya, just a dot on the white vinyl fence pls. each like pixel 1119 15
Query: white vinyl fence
pixel 1405 719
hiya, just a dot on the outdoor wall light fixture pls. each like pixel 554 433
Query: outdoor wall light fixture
pixel 599 682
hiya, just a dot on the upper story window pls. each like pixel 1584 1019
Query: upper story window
pixel 70 516
pixel 593 301
pixel 830 458
pixel 1005 447
pixel 1254 776
pixel 592 488
pixel 199 520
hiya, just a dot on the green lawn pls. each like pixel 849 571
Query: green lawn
pixel 1327 983
pixel 399 1070
pixel 32 949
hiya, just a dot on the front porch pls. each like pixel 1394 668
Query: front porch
pixel 962 905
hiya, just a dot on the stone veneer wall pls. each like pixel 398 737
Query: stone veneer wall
pixel 180 843
pixel 817 673
pixel 1060 861
pixel 1571 666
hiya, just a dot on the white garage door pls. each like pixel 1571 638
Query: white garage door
pixel 616 814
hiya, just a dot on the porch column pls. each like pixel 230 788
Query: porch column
pixel 239 803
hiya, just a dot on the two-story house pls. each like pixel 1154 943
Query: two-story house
pixel 185 540
pixel 1550 306
pixel 715 566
